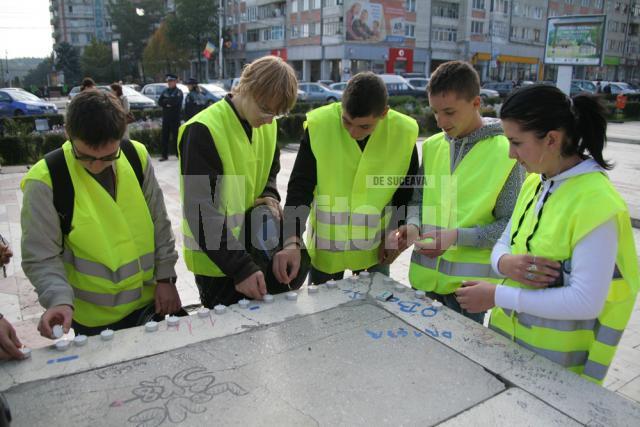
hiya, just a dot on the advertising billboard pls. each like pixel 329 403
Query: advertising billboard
pixel 575 40
pixel 375 21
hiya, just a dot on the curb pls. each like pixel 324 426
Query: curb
pixel 623 140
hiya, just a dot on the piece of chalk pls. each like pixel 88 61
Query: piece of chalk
pixel 400 287
pixel 331 284
pixel 220 309
pixel 106 335
pixel 420 294
pixel 173 320
pixel 244 303
pixel 292 296
pixel 312 289
pixel 80 340
pixel 58 331
pixel 62 345
pixel 364 274
pixel 267 298
pixel 151 326
pixel 26 351
pixel 436 304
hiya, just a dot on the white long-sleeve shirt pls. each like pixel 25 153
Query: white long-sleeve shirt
pixel 592 265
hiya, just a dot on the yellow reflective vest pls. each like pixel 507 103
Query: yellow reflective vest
pixel 246 166
pixel 109 252
pixel 577 207
pixel 354 187
pixel 462 199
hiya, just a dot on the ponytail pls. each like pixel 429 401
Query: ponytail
pixel 543 108
pixel 590 128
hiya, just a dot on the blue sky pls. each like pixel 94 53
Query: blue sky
pixel 24 28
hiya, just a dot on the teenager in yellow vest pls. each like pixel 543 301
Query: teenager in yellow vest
pixel 350 168
pixel 229 160
pixel 117 259
pixel 469 190
pixel 567 255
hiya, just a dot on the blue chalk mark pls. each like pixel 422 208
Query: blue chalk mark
pixel 255 307
pixel 447 334
pixel 402 332
pixel 391 334
pixel 417 334
pixel 394 299
pixel 62 359
pixel 429 312
pixel 433 333
pixel 408 307
pixel 374 335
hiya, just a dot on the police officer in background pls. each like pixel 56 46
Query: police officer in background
pixel 195 101
pixel 171 102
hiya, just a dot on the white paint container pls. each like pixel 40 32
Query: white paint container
pixel 151 326
pixel 106 335
pixel 80 340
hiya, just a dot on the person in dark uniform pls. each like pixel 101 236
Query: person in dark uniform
pixel 171 102
pixel 196 101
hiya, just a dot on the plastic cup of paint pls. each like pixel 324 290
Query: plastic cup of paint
pixel 244 303
pixel 58 331
pixel 173 320
pixel 63 345
pixel 80 340
pixel 151 326
pixel 312 289
pixel 331 284
pixel 203 312
pixel 220 309
pixel 268 298
pixel 292 296
pixel 106 335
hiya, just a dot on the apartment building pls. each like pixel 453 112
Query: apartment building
pixel 77 22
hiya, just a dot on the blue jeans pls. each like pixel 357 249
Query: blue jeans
pixel 450 301
pixel 317 277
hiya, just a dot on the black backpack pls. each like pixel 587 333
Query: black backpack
pixel 63 193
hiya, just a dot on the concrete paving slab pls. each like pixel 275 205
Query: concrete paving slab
pixel 315 369
pixel 513 407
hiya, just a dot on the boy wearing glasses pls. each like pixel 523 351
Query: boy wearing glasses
pixel 352 170
pixel 96 239
pixel 229 160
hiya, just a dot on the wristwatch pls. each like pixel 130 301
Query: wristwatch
pixel 172 280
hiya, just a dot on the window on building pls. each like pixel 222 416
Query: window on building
pixel 585 3
pixel 277 32
pixel 526 10
pixel 537 12
pixel 294 6
pixel 514 32
pixel 253 36
pixel 317 4
pixel 74 38
pixel 295 31
pixel 71 11
pixel 305 4
pixel 253 14
pixel 314 29
pixel 333 26
pixel 304 30
pixel 636 9
pixel 478 4
pixel 623 28
pixel 618 6
pixel 477 27
pixel 445 10
pixel 536 35
pixel 410 5
pixel 410 30
pixel 444 34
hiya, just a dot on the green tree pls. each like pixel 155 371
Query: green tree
pixel 38 75
pixel 162 55
pixel 97 62
pixel 68 61
pixel 135 23
pixel 194 22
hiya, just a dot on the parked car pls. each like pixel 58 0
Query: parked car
pixel 76 90
pixel 399 86
pixel 302 95
pixel 340 86
pixel 212 92
pixel 419 83
pixel 325 83
pixel 620 87
pixel 503 88
pixel 19 102
pixel 137 101
pixel 153 91
pixel 489 93
pixel 585 85
pixel 319 93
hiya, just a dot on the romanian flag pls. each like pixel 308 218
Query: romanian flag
pixel 208 50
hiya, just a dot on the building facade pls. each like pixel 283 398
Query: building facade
pixel 504 39
pixel 77 22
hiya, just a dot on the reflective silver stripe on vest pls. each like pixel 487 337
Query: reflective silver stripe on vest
pixel 342 218
pixel 92 268
pixel 563 358
pixel 463 269
pixel 603 334
pixel 353 245
pixel 108 300
pixel 190 243
pixel 595 370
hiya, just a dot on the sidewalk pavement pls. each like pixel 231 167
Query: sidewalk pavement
pixel 628 132
pixel 18 301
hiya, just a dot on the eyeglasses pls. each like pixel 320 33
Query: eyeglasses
pixel 91 159
pixel 266 114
